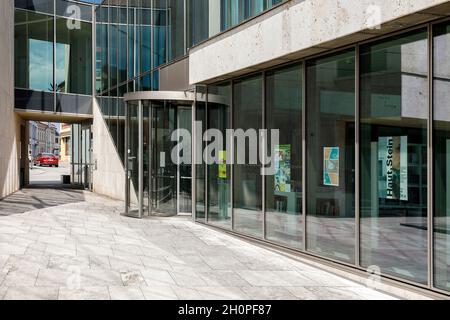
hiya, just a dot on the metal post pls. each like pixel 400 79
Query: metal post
pixel 150 160
pixel 303 88
pixel 194 157
pixel 357 159
pixel 231 102
pixel 54 56
pixel 141 160
pixel 263 145
pixel 430 198
pixel 206 194
pixel 127 155
pixel 185 25
pixel 94 54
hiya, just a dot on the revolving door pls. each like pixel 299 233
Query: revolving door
pixel 158 181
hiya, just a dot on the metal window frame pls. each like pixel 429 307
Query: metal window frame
pixel 357 250
pixel 263 145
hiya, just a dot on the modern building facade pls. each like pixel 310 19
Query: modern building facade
pixel 358 91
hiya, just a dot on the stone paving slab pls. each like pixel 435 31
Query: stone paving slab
pixel 80 247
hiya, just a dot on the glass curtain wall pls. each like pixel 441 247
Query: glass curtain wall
pixel 247 183
pixel 393 129
pixel 136 37
pixel 394 113
pixel 441 147
pixel 284 220
pixel 331 156
pixel 53 56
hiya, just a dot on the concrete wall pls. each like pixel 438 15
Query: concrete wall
pixel 109 178
pixel 301 28
pixel 9 122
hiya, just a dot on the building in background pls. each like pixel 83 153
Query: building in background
pixel 65 142
pixel 57 144
pixel 34 141
pixel 44 138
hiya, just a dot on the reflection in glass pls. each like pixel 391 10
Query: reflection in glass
pixel 122 54
pixel 165 171
pixel 102 57
pixel 175 11
pixel 331 156
pixel 284 188
pixel 73 69
pixel 199 20
pixel 219 173
pixel 247 184
pixel 394 108
pixel 159 32
pixel 33 40
pixel 441 142
pixel 144 31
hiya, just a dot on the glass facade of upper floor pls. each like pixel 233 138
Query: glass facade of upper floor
pixel 53 55
pixel 135 38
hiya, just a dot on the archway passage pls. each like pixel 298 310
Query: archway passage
pixel 56 153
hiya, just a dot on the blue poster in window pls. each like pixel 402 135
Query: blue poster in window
pixel 331 166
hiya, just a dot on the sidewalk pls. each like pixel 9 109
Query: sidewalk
pixel 63 244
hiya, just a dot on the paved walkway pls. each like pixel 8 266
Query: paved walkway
pixel 74 245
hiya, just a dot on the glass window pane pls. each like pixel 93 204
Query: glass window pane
pixel 175 11
pixel 45 6
pixel 73 10
pixel 284 188
pixel 219 173
pixel 33 41
pixel 394 108
pixel 199 18
pixel 73 56
pixel 159 32
pixel 331 156
pixel 122 54
pixel 144 34
pixel 441 148
pixel 112 48
pixel 247 193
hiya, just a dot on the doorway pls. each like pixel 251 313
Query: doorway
pixel 157 185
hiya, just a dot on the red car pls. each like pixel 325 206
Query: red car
pixel 46 159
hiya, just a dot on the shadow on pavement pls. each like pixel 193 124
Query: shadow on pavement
pixel 39 197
